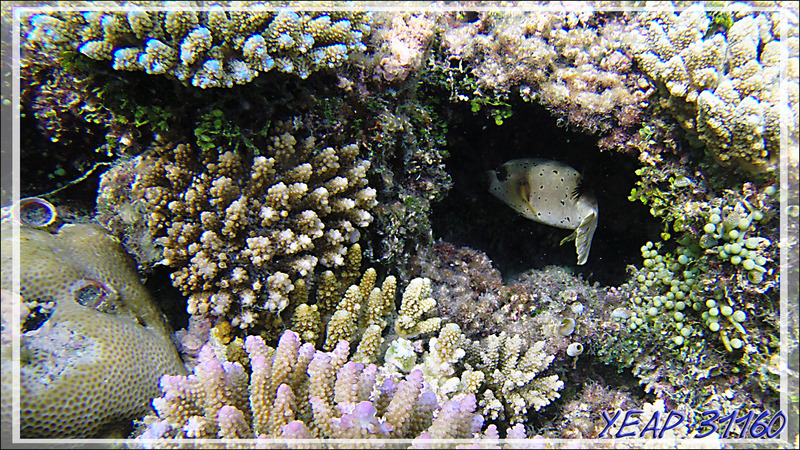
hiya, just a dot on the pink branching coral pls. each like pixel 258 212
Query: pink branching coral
pixel 295 391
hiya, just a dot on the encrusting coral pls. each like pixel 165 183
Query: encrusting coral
pixel 212 48
pixel 261 220
pixel 562 59
pixel 86 319
pixel 240 230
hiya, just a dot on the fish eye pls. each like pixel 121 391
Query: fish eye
pixel 502 174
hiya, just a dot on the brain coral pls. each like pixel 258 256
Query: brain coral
pixel 210 48
pixel 87 319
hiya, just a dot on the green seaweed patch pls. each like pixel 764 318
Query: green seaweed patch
pixel 214 130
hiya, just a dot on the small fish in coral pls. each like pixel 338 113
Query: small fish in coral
pixel 549 192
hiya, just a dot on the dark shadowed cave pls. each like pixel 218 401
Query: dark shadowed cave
pixel 471 216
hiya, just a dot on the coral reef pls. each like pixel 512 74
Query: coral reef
pixel 582 417
pixel 574 62
pixel 416 303
pixel 400 49
pixel 722 84
pixel 86 319
pixel 328 296
pixel 406 145
pixel 296 391
pixel 466 284
pixel 722 267
pixel 240 230
pixel 511 373
pixel 215 48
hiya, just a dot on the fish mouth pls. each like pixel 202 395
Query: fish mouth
pixel 489 177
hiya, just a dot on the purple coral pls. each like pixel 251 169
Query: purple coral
pixel 327 393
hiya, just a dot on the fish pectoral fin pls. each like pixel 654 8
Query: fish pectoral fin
pixel 571 237
pixel 584 234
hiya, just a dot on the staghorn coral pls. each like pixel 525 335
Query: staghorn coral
pixel 498 370
pixel 359 317
pixel 361 312
pixel 722 85
pixel 551 305
pixel 240 230
pixel 297 392
pixel 440 365
pixel 86 319
pixel 213 48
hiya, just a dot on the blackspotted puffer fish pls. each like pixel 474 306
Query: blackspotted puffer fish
pixel 548 192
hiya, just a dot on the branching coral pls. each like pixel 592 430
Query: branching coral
pixel 416 302
pixel 297 392
pixel 723 84
pixel 512 376
pixel 506 377
pixel 240 230
pixel 213 48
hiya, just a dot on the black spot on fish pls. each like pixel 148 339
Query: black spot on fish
pixel 541 187
pixel 562 203
pixel 556 172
